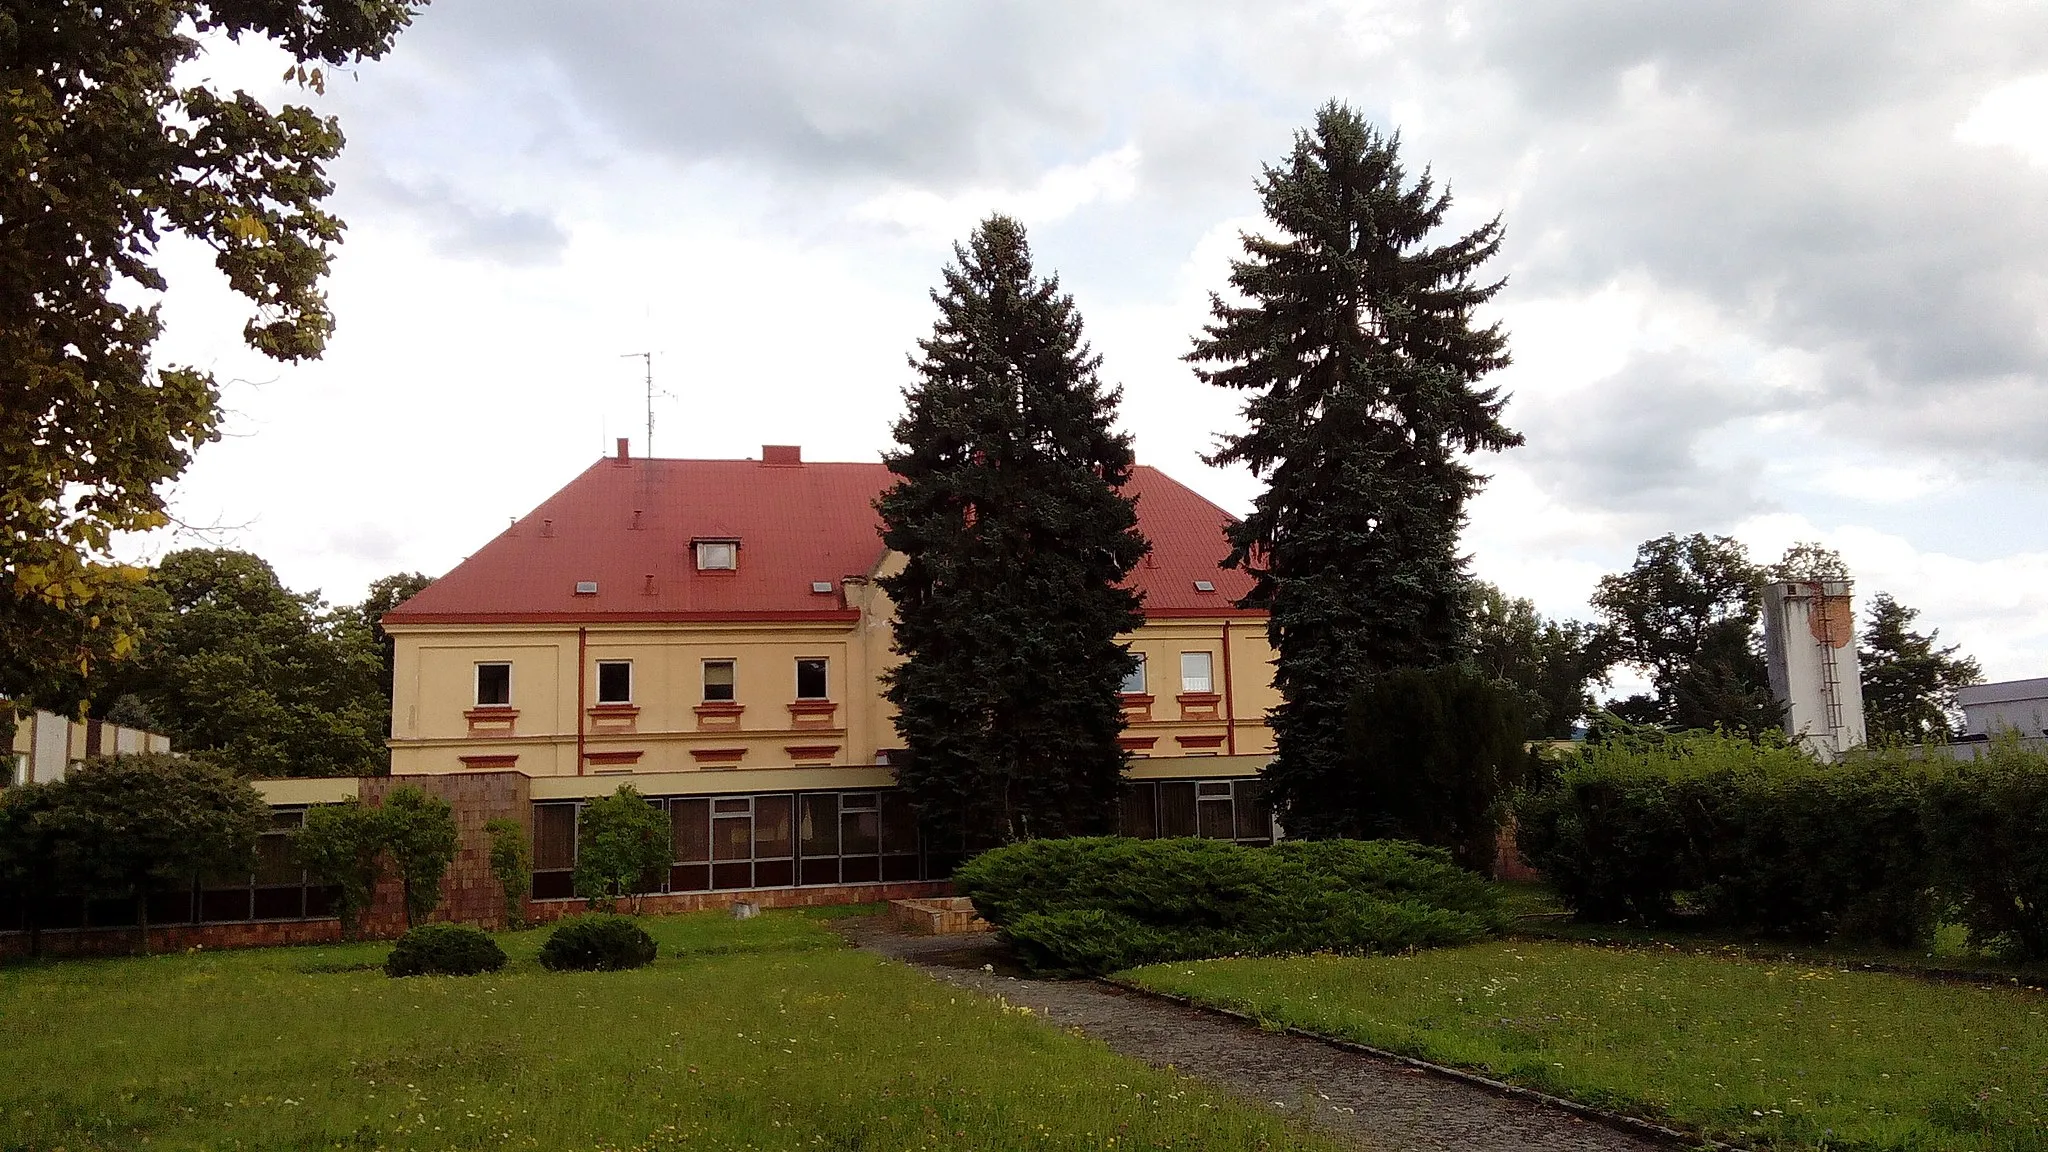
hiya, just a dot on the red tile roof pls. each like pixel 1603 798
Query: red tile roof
pixel 628 525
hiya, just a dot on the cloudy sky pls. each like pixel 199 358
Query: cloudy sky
pixel 1776 269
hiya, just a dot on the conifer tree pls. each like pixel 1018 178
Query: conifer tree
pixel 1909 678
pixel 1356 344
pixel 1017 537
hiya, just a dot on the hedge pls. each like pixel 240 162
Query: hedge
pixel 1095 905
pixel 444 950
pixel 597 944
pixel 1729 834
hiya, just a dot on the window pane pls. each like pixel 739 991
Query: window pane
pixel 771 827
pixel 554 836
pixel 1134 680
pixel 689 824
pixel 717 555
pixel 1195 672
pixel 275 861
pixel 493 684
pixel 859 834
pixel 718 680
pixel 899 824
pixel 810 680
pixel 734 804
pixel 732 838
pixel 1177 808
pixel 615 682
pixel 818 828
pixel 1215 820
pixel 1254 815
pixel 1137 812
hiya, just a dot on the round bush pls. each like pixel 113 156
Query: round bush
pixel 444 950
pixel 597 944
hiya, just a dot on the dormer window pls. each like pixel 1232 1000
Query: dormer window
pixel 718 555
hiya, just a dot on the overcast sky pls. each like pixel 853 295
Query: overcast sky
pixel 1775 269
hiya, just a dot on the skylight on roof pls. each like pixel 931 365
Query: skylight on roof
pixel 586 587
pixel 821 587
pixel 1205 585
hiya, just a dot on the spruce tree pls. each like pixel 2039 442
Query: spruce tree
pixel 1356 344
pixel 1909 678
pixel 1017 538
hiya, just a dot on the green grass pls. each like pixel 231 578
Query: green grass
pixel 1778 1055
pixel 765 1033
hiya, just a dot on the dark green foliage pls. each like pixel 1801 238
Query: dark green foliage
pixel 597 944
pixel 123 826
pixel 419 832
pixel 512 864
pixel 1728 833
pixel 1358 350
pixel 1432 756
pixel 343 844
pixel 622 846
pixel 1094 905
pixel 1552 664
pixel 276 682
pixel 1016 536
pixel 115 140
pixel 1987 831
pixel 1909 684
pixel 28 860
pixel 1689 613
pixel 444 950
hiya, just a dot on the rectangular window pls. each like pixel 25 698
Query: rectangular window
pixel 717 555
pixel 1195 673
pixel 718 681
pixel 1134 680
pixel 493 685
pixel 614 681
pixel 810 680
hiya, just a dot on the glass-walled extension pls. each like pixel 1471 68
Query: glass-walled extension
pixel 808 839
pixel 279 889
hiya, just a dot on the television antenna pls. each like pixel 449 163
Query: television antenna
pixel 647 361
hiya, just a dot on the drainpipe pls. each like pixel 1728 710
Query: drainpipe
pixel 582 649
pixel 1229 708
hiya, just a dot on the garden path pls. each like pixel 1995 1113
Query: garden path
pixel 1359 1100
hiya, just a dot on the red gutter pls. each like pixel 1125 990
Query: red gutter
pixel 582 649
pixel 1229 709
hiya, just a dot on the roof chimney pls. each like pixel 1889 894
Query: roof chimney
pixel 625 453
pixel 783 454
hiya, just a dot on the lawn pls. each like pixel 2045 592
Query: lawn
pixel 1779 1055
pixel 765 1033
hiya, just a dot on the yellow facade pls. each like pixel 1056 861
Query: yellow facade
pixel 554 724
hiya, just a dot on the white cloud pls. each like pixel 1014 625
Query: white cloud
pixel 2012 115
pixel 928 215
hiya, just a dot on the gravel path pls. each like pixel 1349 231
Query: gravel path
pixel 1361 1101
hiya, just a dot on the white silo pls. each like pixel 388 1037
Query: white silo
pixel 1810 641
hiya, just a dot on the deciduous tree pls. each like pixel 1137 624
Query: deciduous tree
pixel 1356 340
pixel 1552 664
pixel 1689 613
pixel 1017 536
pixel 512 864
pixel 113 142
pixel 275 682
pixel 621 840
pixel 1909 679
pixel 419 832
pixel 386 593
pixel 343 845
pixel 126 825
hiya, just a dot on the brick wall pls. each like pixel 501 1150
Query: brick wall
pixel 175 938
pixel 819 897
pixel 469 892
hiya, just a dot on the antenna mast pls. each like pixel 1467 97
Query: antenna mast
pixel 647 359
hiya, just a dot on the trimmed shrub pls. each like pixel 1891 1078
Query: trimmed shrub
pixel 444 950
pixel 597 944
pixel 1729 834
pixel 1095 905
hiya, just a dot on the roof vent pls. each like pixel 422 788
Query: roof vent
pixel 1205 585
pixel 586 587
pixel 784 454
pixel 822 587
